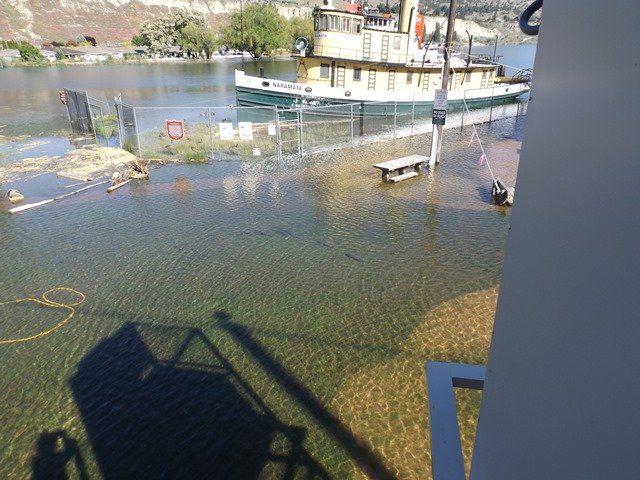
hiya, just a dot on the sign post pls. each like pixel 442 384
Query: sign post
pixel 440 100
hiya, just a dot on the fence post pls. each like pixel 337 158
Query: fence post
pixel 278 138
pixel 300 133
pixel 464 106
pixel 395 119
pixel 120 123
pixel 135 128
pixel 491 107
pixel 210 133
pixel 413 112
pixel 351 124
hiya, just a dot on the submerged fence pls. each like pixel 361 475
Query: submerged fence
pixel 208 133
pixel 88 116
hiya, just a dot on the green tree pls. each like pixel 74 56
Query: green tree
pixel 437 34
pixel 138 41
pixel 258 29
pixel 162 33
pixel 29 53
pixel 301 27
pixel 197 40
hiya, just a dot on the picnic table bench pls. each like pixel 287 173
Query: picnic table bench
pixel 399 166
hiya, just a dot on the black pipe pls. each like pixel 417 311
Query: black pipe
pixel 526 16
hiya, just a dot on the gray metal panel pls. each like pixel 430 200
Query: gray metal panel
pixel 446 450
pixel 562 392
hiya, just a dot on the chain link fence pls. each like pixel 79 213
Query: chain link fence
pixel 218 133
pixel 89 116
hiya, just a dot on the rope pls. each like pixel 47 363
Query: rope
pixel 45 301
pixel 475 132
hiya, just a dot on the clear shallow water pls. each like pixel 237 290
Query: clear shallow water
pixel 234 310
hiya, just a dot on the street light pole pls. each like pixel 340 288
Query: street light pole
pixel 436 137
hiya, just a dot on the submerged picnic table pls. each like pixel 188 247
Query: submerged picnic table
pixel 400 165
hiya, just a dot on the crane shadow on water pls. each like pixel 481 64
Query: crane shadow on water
pixel 357 450
pixel 163 402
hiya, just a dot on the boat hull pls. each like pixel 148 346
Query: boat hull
pixel 270 93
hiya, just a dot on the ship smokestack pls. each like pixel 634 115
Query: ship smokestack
pixel 408 12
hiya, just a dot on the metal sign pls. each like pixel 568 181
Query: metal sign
pixel 175 129
pixel 440 99
pixel 438 117
pixel 439 107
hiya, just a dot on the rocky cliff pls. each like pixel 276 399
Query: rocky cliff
pixel 106 20
pixel 41 21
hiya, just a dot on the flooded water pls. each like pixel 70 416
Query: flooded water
pixel 249 319
pixel 33 122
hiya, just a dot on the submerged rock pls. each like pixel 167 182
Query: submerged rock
pixel 15 196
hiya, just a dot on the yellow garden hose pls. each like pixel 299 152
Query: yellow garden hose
pixel 47 303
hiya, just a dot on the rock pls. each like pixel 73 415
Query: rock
pixel 15 196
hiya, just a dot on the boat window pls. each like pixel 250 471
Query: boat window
pixel 316 23
pixel 467 77
pixel 357 74
pixel 324 70
pixel 357 25
pixel 346 25
pixel 322 22
pixel 409 77
pixel 334 23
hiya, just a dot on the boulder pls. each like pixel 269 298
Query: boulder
pixel 15 196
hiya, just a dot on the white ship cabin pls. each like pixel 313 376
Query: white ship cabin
pixel 361 49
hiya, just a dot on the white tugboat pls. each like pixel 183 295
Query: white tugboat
pixel 360 56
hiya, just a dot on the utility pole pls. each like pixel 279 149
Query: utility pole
pixel 436 137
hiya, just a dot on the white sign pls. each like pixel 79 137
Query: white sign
pixel 226 131
pixel 440 99
pixel 271 129
pixel 246 130
pixel 256 152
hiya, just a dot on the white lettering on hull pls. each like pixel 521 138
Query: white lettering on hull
pixel 290 86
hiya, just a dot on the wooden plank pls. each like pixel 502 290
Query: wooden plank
pixel 404 176
pixel 118 185
pixel 44 202
pixel 29 206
